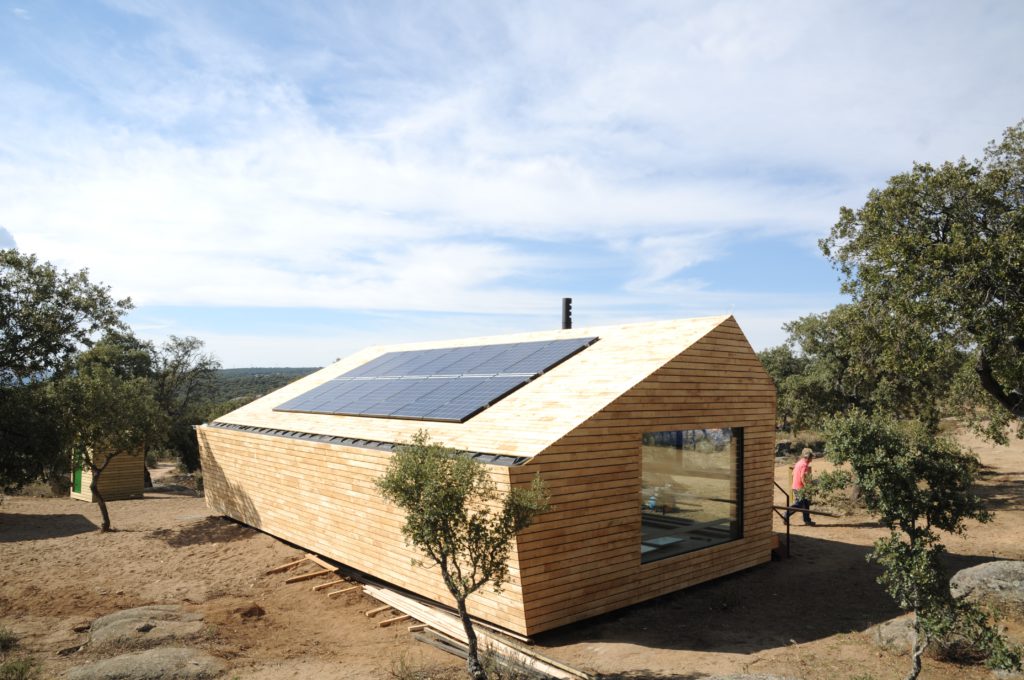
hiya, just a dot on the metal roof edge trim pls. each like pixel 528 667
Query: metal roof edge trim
pixel 487 458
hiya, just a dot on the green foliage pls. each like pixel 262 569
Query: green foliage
pixel 47 316
pixel 456 516
pixel 910 479
pixel 918 484
pixel 787 370
pixel 104 416
pixel 183 379
pixel 941 251
pixel 8 640
pixel 449 502
pixel 852 357
pixel 252 383
pixel 19 669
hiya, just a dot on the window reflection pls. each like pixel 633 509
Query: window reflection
pixel 690 494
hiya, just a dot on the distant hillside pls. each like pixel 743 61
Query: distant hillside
pixel 246 384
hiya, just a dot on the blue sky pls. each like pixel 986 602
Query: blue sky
pixel 294 181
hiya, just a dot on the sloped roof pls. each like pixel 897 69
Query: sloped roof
pixel 525 422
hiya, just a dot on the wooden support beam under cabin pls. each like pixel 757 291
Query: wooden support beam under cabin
pixel 312 574
pixel 323 563
pixel 322 586
pixel 397 619
pixel 285 567
pixel 335 593
pixel 377 610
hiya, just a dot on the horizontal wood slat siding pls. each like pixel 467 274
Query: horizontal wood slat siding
pixel 322 497
pixel 582 558
pixel 122 479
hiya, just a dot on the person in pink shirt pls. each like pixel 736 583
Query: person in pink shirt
pixel 801 482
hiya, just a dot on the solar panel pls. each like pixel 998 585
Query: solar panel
pixel 449 384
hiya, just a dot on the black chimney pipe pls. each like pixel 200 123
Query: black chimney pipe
pixel 566 313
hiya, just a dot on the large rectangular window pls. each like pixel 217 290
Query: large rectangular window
pixel 691 490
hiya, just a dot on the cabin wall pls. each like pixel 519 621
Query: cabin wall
pixel 322 497
pixel 582 558
pixel 123 478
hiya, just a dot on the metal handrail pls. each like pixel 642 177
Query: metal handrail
pixel 778 512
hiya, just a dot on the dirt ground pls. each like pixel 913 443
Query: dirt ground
pixel 804 617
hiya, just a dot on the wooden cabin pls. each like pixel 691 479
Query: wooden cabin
pixel 124 478
pixel 655 440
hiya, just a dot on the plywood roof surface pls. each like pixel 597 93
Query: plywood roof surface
pixel 525 422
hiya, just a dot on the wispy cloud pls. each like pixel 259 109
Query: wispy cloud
pixel 396 157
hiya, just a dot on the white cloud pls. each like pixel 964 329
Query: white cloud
pixel 423 160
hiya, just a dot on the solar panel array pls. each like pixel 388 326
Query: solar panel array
pixel 451 384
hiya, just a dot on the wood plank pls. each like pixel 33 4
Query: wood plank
pixel 323 586
pixel 350 589
pixel 396 619
pixel 285 567
pixel 310 575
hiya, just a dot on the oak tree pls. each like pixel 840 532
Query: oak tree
pixel 456 516
pixel 47 316
pixel 941 250
pixel 918 486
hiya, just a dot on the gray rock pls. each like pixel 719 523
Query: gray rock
pixel 165 663
pixel 896 635
pixel 997 584
pixel 145 626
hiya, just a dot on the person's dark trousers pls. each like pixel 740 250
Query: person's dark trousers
pixel 800 501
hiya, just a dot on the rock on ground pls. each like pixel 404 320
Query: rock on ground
pixel 145 626
pixel 896 635
pixel 164 663
pixel 997 584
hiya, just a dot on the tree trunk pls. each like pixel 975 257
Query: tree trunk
pixel 920 643
pixel 1014 403
pixel 94 486
pixel 476 670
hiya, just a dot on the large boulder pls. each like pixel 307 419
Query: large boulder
pixel 997 584
pixel 145 626
pixel 163 663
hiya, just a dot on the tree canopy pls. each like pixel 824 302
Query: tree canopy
pixel 48 315
pixel 940 250
pixel 61 334
pixel 852 357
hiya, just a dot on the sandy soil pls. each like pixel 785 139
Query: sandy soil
pixel 804 617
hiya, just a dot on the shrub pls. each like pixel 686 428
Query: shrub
pixel 19 669
pixel 8 640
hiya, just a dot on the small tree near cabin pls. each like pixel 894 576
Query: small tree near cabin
pixel 107 416
pixel 457 517
pixel 917 485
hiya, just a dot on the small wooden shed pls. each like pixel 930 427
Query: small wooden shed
pixel 123 478
pixel 656 441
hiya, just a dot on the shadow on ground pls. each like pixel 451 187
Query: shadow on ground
pixel 826 588
pixel 21 527
pixel 646 675
pixel 1007 493
pixel 206 530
